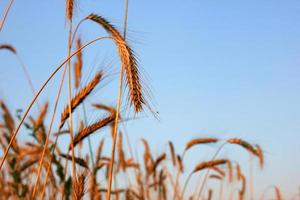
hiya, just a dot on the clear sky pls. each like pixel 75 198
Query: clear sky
pixel 216 68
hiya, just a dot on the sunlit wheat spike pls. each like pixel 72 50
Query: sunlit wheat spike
pixel 80 96
pixel 8 47
pixel 69 9
pixel 260 154
pixel 79 187
pixel 129 63
pixel 92 128
pixel 78 161
pixel 209 164
pixel 244 144
pixel 78 64
pixel 172 151
pixel 198 141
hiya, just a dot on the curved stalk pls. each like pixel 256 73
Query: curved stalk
pixel 5 14
pixel 39 92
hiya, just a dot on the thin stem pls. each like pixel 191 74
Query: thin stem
pixel 38 93
pixel 69 102
pixel 115 131
pixel 5 14
pixel 48 134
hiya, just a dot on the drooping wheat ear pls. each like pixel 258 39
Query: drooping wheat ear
pixel 92 128
pixel 129 63
pixel 209 164
pixel 70 9
pixel 198 141
pixel 39 121
pixel 78 161
pixel 80 96
pixel 79 187
pixel 180 163
pixel 78 64
pixel 230 171
pixel 244 144
pixel 8 47
pixel 260 154
pixel 278 193
pixel 172 151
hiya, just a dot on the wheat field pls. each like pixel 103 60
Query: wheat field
pixel 67 152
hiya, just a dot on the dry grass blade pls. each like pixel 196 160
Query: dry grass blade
pixel 92 128
pixel 209 164
pixel 244 144
pixel 79 161
pixel 8 47
pixel 78 64
pixel 80 96
pixel 129 63
pixel 198 141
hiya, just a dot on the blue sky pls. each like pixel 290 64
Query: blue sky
pixel 216 68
